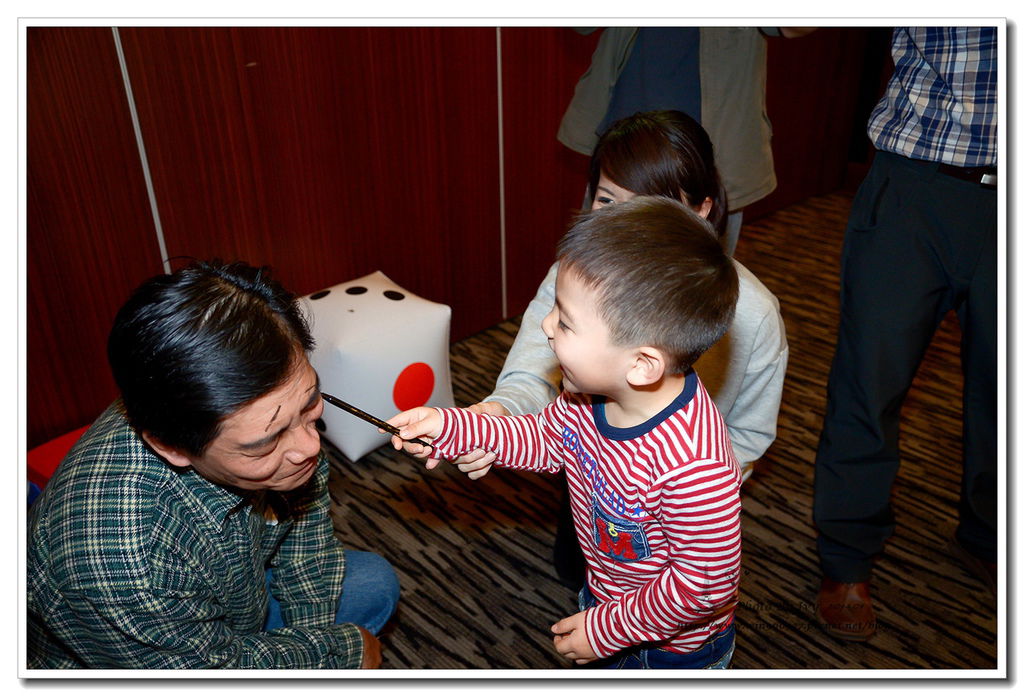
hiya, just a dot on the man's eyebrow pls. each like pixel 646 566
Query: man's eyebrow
pixel 262 442
pixel 314 396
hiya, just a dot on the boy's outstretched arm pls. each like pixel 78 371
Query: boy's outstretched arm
pixel 571 639
pixel 519 442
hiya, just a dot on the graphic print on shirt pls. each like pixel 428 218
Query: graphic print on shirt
pixel 600 486
pixel 620 539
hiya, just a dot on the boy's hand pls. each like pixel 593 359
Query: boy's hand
pixel 571 639
pixel 422 422
pixel 477 463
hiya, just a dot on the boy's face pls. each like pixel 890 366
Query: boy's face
pixel 579 336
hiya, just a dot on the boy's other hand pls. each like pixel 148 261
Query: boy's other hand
pixel 571 639
pixel 477 463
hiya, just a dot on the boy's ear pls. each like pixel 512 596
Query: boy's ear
pixel 174 456
pixel 649 366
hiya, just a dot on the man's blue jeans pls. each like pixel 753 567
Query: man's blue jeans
pixel 369 593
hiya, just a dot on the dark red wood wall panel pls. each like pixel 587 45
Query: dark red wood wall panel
pixel 813 87
pixel 329 153
pixel 544 180
pixel 90 237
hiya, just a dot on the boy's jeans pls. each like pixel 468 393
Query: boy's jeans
pixel 716 653
pixel 370 590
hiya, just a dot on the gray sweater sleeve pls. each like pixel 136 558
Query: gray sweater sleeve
pixel 530 379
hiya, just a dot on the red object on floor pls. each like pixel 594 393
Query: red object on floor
pixel 43 460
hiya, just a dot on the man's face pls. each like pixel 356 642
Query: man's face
pixel 272 443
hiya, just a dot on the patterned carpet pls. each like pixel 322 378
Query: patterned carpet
pixel 479 589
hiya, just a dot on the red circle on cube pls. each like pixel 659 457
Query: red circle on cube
pixel 414 386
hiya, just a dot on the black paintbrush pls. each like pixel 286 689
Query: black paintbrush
pixel 359 413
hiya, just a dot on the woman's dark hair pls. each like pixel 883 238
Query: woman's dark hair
pixel 190 348
pixel 661 153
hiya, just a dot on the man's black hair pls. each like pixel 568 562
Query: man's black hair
pixel 190 348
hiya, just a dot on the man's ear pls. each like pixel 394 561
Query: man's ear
pixel 173 455
pixel 649 366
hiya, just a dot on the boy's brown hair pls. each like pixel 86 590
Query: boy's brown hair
pixel 661 275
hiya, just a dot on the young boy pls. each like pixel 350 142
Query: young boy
pixel 643 289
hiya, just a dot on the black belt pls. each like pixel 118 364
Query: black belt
pixel 984 176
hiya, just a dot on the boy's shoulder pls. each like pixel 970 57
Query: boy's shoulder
pixel 697 448
pixel 697 425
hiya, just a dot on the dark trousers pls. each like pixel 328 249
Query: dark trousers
pixel 568 558
pixel 918 244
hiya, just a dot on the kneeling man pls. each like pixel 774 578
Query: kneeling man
pixel 190 526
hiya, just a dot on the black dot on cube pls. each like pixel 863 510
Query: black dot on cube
pixel 394 295
pixel 355 290
pixel 318 295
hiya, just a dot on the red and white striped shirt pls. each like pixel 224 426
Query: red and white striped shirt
pixel 656 509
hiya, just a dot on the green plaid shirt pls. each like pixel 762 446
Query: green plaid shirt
pixel 133 564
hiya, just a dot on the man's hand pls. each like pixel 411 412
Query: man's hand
pixel 477 463
pixel 571 639
pixel 371 650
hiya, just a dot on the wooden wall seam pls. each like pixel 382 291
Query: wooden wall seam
pixel 143 160
pixel 501 176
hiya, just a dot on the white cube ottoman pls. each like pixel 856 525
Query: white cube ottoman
pixel 381 349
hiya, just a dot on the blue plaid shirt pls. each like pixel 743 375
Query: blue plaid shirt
pixel 133 565
pixel 941 102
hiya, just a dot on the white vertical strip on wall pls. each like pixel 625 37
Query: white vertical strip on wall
pixel 501 183
pixel 142 153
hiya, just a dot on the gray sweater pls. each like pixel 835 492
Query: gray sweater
pixel 743 372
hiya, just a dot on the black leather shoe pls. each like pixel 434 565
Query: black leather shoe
pixel 844 610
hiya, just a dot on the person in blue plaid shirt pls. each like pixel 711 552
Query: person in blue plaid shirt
pixel 190 526
pixel 920 242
